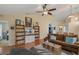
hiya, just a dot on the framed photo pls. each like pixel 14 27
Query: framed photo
pixel 18 22
pixel 28 21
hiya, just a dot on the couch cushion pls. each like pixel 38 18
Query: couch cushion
pixel 74 39
pixel 53 37
pixel 70 40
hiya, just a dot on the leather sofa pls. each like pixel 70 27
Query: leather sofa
pixel 60 39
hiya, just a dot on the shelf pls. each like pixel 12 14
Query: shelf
pixel 20 39
pixel 20 25
pixel 20 28
pixel 36 31
pixel 19 35
pixel 20 31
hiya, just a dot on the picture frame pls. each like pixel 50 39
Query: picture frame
pixel 18 22
pixel 28 22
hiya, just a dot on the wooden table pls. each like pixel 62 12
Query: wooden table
pixel 54 48
pixel 57 49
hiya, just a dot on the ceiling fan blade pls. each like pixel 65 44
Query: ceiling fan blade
pixel 52 9
pixel 49 13
pixel 39 11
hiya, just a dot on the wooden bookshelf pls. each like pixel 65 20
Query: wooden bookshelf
pixel 20 35
pixel 37 34
pixel 20 32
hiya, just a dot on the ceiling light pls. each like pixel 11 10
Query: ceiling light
pixel 45 12
pixel 76 18
pixel 71 16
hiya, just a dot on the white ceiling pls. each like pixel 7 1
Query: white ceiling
pixel 62 10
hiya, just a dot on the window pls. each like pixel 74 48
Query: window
pixel 0 31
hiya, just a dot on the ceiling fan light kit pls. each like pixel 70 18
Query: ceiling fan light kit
pixel 46 11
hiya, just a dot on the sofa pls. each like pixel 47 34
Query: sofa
pixel 60 39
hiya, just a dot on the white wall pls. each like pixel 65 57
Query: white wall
pixel 74 27
pixel 43 22
pixel 7 18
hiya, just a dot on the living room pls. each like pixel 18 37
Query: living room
pixel 63 18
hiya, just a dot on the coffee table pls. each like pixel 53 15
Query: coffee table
pixel 57 49
pixel 54 48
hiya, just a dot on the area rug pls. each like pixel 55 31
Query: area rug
pixel 37 50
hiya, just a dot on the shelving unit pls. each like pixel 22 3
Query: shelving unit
pixel 20 35
pixel 37 34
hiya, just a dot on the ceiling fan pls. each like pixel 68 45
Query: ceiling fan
pixel 46 11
